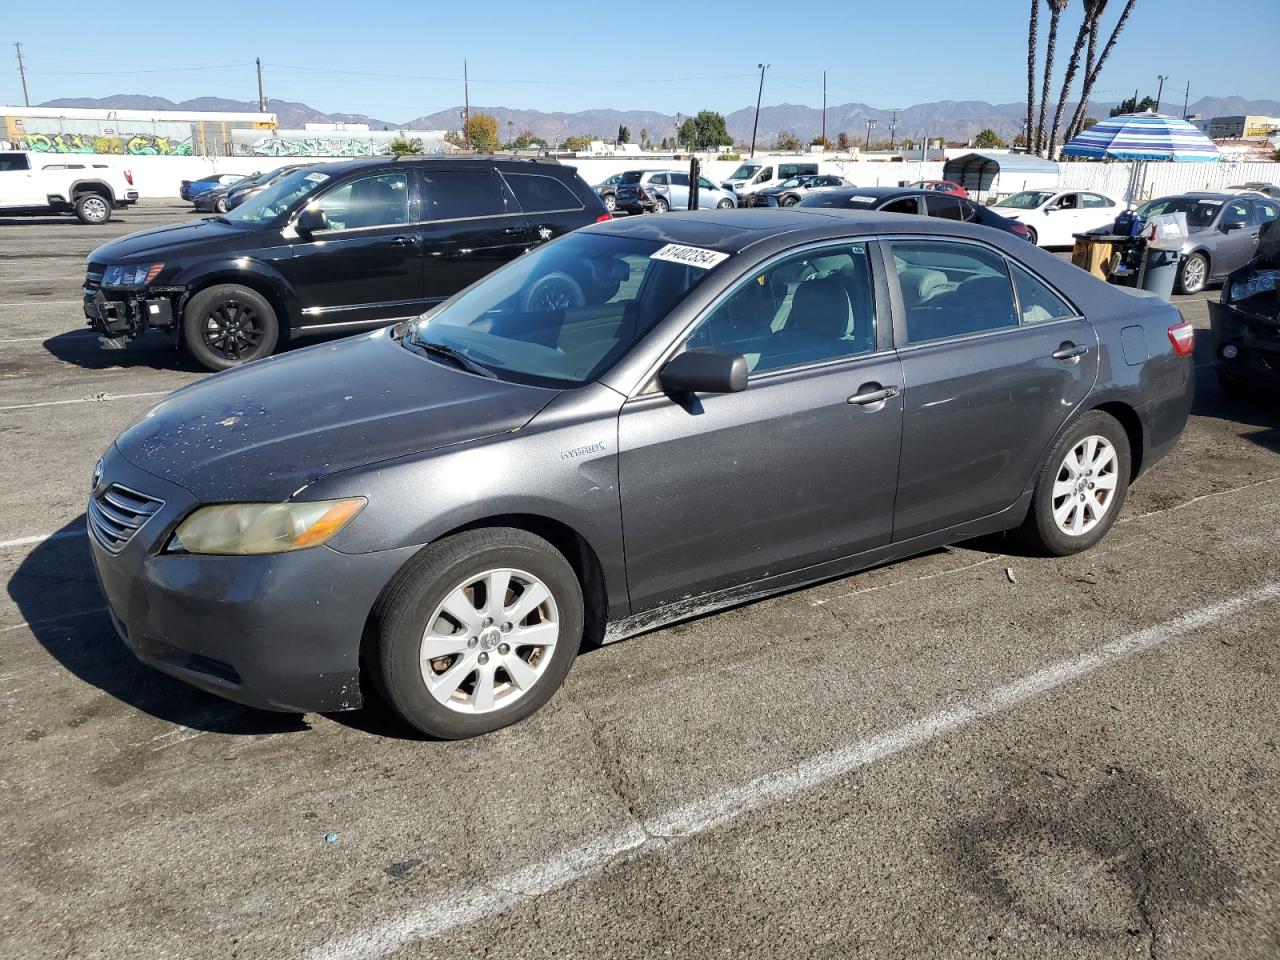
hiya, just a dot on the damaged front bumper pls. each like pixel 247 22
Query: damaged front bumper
pixel 118 316
pixel 1246 338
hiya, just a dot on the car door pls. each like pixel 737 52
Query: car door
pixel 1236 238
pixel 366 267
pixel 944 206
pixel 1060 218
pixel 19 186
pixel 471 225
pixel 678 193
pixel 992 365
pixel 797 469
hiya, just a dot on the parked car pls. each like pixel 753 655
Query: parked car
pixel 190 189
pixel 790 192
pixel 755 175
pixel 36 184
pixel 917 201
pixel 343 247
pixel 1245 322
pixel 1257 186
pixel 607 190
pixel 942 186
pixel 1224 230
pixel 657 191
pixel 214 200
pixel 238 193
pixel 1054 217
pixel 445 511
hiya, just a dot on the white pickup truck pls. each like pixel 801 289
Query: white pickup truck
pixel 40 183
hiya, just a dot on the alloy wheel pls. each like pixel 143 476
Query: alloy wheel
pixel 489 641
pixel 95 208
pixel 233 330
pixel 1085 485
pixel 1193 274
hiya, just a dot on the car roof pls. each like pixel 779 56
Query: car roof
pixel 512 164
pixel 733 231
pixel 879 193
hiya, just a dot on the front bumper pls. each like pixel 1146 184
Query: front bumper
pixel 277 632
pixel 1257 343
pixel 119 314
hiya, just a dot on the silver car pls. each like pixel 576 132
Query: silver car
pixel 671 192
pixel 1224 230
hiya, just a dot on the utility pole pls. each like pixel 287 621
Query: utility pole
pixel 893 126
pixel 1160 90
pixel 466 105
pixel 1186 96
pixel 262 101
pixel 759 93
pixel 679 124
pixel 824 108
pixel 22 72
pixel 870 124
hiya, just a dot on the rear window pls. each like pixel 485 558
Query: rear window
pixel 455 194
pixel 631 176
pixel 540 194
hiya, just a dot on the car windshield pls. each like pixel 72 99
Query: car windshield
pixel 565 313
pixel 277 198
pixel 794 182
pixel 745 172
pixel 1026 200
pixel 1200 212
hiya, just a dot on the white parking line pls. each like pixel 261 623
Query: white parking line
pixel 47 620
pixel 79 335
pixel 41 302
pixel 96 398
pixel 471 904
pixel 41 538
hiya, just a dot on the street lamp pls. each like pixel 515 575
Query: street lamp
pixel 759 93
pixel 870 125
pixel 511 137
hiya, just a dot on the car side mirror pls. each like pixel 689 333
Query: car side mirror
pixel 311 220
pixel 1230 225
pixel 705 370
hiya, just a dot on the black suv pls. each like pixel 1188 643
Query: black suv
pixel 336 247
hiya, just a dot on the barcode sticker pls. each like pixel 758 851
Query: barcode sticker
pixel 691 256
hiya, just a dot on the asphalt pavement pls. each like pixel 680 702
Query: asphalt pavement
pixel 971 753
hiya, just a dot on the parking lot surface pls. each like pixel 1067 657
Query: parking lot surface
pixel 971 753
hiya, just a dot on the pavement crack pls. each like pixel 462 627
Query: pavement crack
pixel 610 764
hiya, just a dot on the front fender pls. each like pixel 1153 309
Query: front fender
pixel 259 275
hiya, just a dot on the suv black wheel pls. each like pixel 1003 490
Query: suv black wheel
pixel 555 291
pixel 477 632
pixel 93 208
pixel 227 325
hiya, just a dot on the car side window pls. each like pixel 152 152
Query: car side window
pixel 946 207
pixel 705 184
pixel 968 209
pixel 1068 201
pixel 11 162
pixel 1036 302
pixel 1093 200
pixel 1266 211
pixel 905 205
pixel 765 174
pixel 541 194
pixel 679 179
pixel 459 194
pixel 952 289
pixel 374 201
pixel 808 307
pixel 1235 211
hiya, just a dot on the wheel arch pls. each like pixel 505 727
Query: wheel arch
pixel 262 285
pixel 1128 418
pixel 92 186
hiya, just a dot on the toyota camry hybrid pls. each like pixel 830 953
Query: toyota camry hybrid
pixel 447 510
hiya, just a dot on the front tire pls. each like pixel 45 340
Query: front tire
pixel 610 202
pixel 788 201
pixel 228 325
pixel 220 205
pixel 1193 274
pixel 477 633
pixel 1081 487
pixel 93 208
pixel 725 204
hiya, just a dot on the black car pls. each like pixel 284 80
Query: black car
pixel 222 199
pixel 1246 321
pixel 445 511
pixel 915 200
pixel 335 248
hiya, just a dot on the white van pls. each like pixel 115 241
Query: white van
pixel 755 175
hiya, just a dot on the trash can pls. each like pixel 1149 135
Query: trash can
pixel 1159 269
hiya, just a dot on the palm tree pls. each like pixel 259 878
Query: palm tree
pixel 1095 69
pixel 1032 38
pixel 1092 11
pixel 1055 14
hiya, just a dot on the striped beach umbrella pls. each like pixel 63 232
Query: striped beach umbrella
pixel 1142 136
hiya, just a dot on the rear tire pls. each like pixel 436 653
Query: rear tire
pixel 229 325
pixel 1193 273
pixel 93 208
pixel 725 204
pixel 1033 236
pixel 220 205
pixel 416 616
pixel 661 206
pixel 1081 487
pixel 610 202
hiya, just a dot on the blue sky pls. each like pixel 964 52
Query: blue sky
pixel 401 60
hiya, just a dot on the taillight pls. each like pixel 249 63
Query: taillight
pixel 604 216
pixel 1183 337
pixel 643 195
pixel 128 175
pixel 1020 229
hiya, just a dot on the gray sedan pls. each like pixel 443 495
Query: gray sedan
pixel 446 511
pixel 1224 230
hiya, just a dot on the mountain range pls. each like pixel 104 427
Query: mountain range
pixel 951 119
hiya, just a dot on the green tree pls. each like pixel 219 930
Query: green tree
pixel 821 142
pixel 787 142
pixel 1130 106
pixel 688 136
pixel 480 133
pixel 711 130
pixel 401 147
pixel 574 144
pixel 988 138
pixel 624 134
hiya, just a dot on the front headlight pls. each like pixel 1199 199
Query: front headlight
pixel 136 275
pixel 241 529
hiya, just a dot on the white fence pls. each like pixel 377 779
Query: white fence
pixel 1138 182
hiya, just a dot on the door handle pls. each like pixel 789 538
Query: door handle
pixel 511 231
pixel 1069 351
pixel 870 393
pixel 400 241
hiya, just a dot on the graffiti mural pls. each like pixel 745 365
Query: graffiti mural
pixel 138 145
pixel 315 147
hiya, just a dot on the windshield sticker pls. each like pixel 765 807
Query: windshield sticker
pixel 690 256
pixel 862 199
pixel 317 177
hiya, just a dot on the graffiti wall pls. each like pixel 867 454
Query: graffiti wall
pixel 136 145
pixel 309 143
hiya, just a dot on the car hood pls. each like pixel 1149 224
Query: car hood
pixel 170 240
pixel 262 432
